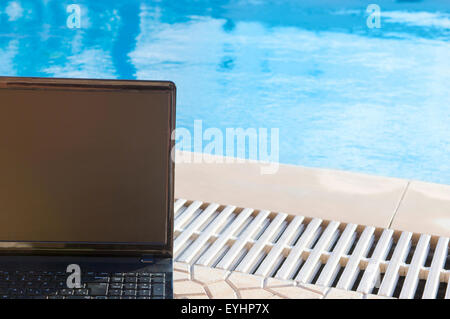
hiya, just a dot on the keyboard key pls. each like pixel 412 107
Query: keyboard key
pixel 78 297
pixel 81 292
pixel 157 280
pixel 115 286
pixel 118 274
pixel 129 293
pixel 114 292
pixel 61 284
pixel 129 286
pixel 116 279
pixel 66 292
pixel 131 279
pixel 143 279
pixel 101 279
pixel 130 274
pixel 97 289
pixel 143 286
pixel 144 274
pixel 158 290
pixel 11 291
pixel 33 292
pixel 145 292
pixel 48 291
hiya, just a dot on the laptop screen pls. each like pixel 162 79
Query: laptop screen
pixel 84 166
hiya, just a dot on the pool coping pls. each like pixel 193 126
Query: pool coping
pixel 385 202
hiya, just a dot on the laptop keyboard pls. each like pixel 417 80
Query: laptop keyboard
pixel 95 285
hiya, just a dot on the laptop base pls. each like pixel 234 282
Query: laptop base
pixel 47 277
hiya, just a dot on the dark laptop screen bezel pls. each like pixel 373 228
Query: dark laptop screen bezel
pixel 96 248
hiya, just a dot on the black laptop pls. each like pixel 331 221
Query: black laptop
pixel 86 188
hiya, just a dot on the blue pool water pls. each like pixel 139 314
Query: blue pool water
pixel 343 95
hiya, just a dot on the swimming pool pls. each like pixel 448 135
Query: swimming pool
pixel 344 96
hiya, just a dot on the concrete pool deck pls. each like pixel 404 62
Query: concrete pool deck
pixel 384 202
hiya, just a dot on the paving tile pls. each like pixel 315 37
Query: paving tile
pixel 425 209
pixel 296 293
pixel 208 275
pixel 258 293
pixel 316 288
pixel 335 293
pixel 241 280
pixel 322 193
pixel 274 282
pixel 371 296
pixel 250 287
pixel 221 290
pixel 181 266
pixel 178 275
pixel 187 288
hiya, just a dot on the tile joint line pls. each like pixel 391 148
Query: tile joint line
pixel 398 205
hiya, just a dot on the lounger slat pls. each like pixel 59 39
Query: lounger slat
pixel 309 269
pixel 177 205
pixel 212 251
pixel 392 273
pixel 234 251
pixel 210 231
pixel 294 256
pixel 412 277
pixel 269 262
pixel 329 272
pixel 181 219
pixel 372 271
pixel 439 258
pixel 248 262
pixel 350 272
pixel 187 233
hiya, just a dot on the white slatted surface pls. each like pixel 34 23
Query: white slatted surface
pixel 209 232
pixel 220 242
pixel 250 258
pixel 187 233
pixel 268 264
pixel 392 273
pixel 439 258
pixel 294 247
pixel 328 274
pixel 372 271
pixel 412 277
pixel 352 268
pixel 311 265
pixel 237 247
pixel 294 256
